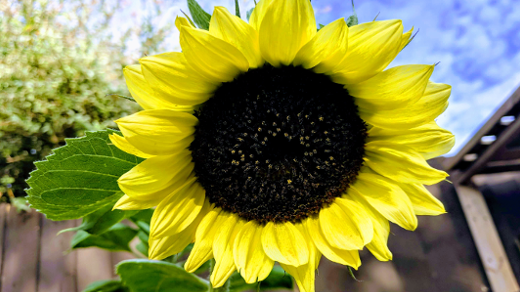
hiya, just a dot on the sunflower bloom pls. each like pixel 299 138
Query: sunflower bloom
pixel 271 141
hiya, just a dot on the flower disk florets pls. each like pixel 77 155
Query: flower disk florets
pixel 278 144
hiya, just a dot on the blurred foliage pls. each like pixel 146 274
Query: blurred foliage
pixel 59 63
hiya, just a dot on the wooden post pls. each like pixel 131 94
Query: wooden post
pixel 490 248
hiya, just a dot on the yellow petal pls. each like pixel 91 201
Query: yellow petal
pixel 433 103
pixel 258 13
pixel 386 197
pixel 283 243
pixel 140 90
pixel 326 49
pixel 429 139
pixel 165 246
pixel 305 275
pixel 154 174
pixel 211 57
pixel 424 203
pixel 124 145
pixel 251 261
pixel 405 39
pixel 345 225
pixel 340 256
pixel 237 32
pixel 182 21
pixel 372 46
pixel 378 246
pixel 394 88
pixel 174 81
pixel 286 27
pixel 203 248
pixel 401 164
pixel 158 132
pixel 229 226
pixel 177 211
pixel 129 203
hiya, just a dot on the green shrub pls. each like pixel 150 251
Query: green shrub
pixel 57 71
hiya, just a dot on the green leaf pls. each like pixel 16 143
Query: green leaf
pixel 200 16
pixel 142 248
pixel 237 9
pixel 122 96
pixel 249 12
pixel 353 19
pixel 152 276
pixel 144 215
pixel 142 220
pixel 116 238
pixel 278 279
pixel 106 286
pixel 80 178
pixel 101 220
pixel 320 26
pixel 189 18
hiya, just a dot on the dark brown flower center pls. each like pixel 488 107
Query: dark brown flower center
pixel 278 144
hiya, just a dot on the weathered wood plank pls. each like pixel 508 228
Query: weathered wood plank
pixel 2 231
pixel 93 264
pixel 447 243
pixel 57 268
pixel 21 245
pixel 116 257
pixel 489 245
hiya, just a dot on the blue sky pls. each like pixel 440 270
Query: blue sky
pixel 476 42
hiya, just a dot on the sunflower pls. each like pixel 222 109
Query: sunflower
pixel 272 141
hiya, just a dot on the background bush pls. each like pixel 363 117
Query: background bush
pixel 59 68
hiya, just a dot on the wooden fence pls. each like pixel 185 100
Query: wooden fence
pixel 35 259
pixel 439 256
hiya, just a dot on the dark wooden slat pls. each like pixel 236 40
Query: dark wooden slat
pixel 57 269
pixel 488 128
pixel 506 166
pixel 2 233
pixel 22 239
pixel 503 201
pixel 509 134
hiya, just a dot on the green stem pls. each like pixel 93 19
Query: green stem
pixel 225 287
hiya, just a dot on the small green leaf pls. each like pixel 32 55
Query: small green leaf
pixel 189 18
pixel 20 203
pixel 320 26
pixel 351 272
pixel 237 9
pixel 200 16
pixel 152 276
pixel 106 286
pixel 142 248
pixel 145 227
pixel 277 279
pixel 353 19
pixel 249 12
pixel 144 237
pixel 101 220
pixel 80 178
pixel 122 96
pixel 116 238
